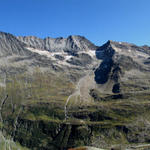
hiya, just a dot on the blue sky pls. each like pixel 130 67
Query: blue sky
pixel 98 20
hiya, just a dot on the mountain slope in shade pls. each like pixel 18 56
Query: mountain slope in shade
pixel 121 63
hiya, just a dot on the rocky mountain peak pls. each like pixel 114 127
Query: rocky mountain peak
pixel 122 48
pixel 3 34
pixel 71 43
pixel 9 45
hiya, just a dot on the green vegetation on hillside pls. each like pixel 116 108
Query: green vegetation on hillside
pixel 33 115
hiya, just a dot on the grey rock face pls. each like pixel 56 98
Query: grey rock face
pixel 118 58
pixel 10 45
pixel 32 41
pixel 20 54
pixel 81 60
pixel 72 43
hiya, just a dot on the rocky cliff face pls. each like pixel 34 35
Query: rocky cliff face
pixel 67 92
pixel 26 53
pixel 120 62
pixel 72 43
pixel 10 45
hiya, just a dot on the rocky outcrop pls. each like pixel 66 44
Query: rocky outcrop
pixel 10 45
pixel 117 59
pixel 72 43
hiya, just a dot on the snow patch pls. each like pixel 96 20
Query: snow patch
pixel 41 52
pixel 91 53
pixel 67 57
pixel 51 55
pixel 57 53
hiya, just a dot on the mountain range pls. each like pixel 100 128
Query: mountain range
pixel 68 92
